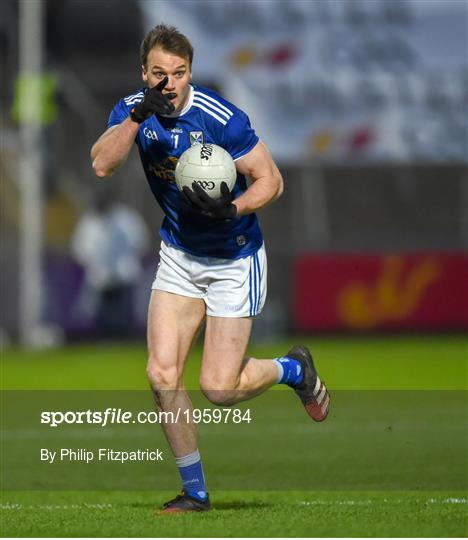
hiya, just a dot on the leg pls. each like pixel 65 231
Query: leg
pixel 173 322
pixel 226 376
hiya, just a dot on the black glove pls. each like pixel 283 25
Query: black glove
pixel 154 102
pixel 221 208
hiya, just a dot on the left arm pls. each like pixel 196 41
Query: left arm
pixel 267 185
pixel 267 182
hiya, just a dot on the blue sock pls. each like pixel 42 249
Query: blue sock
pixel 191 472
pixel 289 371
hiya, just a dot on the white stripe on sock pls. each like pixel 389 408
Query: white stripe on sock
pixel 280 370
pixel 189 459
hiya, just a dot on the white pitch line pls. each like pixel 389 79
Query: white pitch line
pixel 351 502
pixel 14 506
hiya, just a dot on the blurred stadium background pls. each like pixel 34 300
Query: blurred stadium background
pixel 362 103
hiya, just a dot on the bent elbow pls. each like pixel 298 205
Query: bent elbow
pixel 101 172
pixel 280 189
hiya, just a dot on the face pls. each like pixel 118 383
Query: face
pixel 160 64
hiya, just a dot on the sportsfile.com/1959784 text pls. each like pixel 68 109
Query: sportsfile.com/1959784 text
pixel 113 415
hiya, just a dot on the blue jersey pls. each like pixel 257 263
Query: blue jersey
pixel 207 118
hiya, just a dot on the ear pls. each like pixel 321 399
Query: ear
pixel 144 74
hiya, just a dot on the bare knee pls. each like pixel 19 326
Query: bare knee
pixel 226 398
pixel 163 375
pixel 220 391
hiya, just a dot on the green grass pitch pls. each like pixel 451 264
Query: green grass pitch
pixel 390 461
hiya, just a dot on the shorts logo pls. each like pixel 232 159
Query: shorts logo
pixel 231 308
pixel 196 137
pixel 150 134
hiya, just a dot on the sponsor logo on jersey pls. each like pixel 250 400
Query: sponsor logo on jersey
pixel 196 137
pixel 150 134
pixel 176 130
pixel 165 169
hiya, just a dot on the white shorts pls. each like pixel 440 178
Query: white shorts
pixel 230 288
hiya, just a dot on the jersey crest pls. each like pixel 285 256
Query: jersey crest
pixel 196 137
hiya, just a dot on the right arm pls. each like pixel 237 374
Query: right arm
pixel 112 148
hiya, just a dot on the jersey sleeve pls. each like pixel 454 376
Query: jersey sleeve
pixel 118 114
pixel 238 135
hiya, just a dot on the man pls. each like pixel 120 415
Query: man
pixel 109 242
pixel 212 259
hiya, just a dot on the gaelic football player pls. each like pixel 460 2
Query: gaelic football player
pixel 213 264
